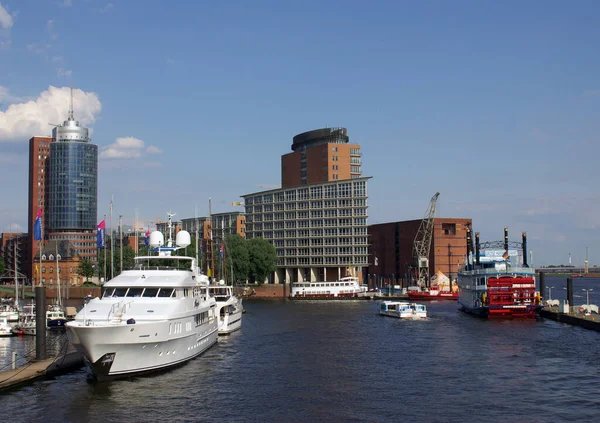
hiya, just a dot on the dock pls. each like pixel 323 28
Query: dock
pixel 36 370
pixel 575 318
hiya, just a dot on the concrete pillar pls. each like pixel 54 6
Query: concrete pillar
pixel 40 323
pixel 542 286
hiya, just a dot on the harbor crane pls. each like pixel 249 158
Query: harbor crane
pixel 422 242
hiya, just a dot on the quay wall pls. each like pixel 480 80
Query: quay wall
pixel 591 322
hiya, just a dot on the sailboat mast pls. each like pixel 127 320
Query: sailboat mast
pixel 210 242
pixel 223 266
pixel 59 297
pixel 16 279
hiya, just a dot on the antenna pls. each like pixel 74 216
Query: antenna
pixel 71 106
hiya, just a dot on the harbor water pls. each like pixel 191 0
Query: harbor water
pixel 341 361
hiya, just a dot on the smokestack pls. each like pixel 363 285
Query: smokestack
pixel 477 248
pixel 525 249
pixel 506 239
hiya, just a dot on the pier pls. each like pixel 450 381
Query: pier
pixel 40 369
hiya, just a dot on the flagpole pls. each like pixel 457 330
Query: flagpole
pixel 104 245
pixel 121 241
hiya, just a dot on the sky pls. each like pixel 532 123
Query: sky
pixel 493 104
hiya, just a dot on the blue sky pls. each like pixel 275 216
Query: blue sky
pixel 493 104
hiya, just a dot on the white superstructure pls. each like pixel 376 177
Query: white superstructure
pixel 345 287
pixel 229 307
pixel 403 310
pixel 156 315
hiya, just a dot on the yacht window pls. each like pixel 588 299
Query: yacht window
pixel 165 292
pixel 150 292
pixel 108 292
pixel 135 292
pixel 119 292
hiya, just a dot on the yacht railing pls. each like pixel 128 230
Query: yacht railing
pixel 491 271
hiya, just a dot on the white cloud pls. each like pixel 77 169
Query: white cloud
pixel 123 148
pixel 152 149
pixel 51 31
pixel 63 72
pixel 129 148
pixel 6 20
pixel 6 97
pixel 21 121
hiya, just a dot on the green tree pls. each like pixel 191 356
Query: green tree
pixel 85 269
pixel 263 259
pixel 2 266
pixel 237 257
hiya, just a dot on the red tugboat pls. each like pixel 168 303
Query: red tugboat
pixel 496 286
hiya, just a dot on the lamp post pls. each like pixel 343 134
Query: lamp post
pixel 587 292
pixel 549 288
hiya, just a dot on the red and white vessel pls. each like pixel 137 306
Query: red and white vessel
pixel 440 290
pixel 498 283
pixel 434 292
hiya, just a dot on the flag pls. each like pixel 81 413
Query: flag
pixel 100 234
pixel 147 240
pixel 37 227
pixel 221 252
pixel 505 255
pixel 201 244
pixel 376 261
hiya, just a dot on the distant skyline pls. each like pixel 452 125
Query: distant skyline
pixel 493 104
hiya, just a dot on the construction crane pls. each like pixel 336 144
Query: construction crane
pixel 422 242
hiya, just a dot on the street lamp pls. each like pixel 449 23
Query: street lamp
pixel 549 288
pixel 587 292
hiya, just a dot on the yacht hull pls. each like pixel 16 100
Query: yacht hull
pixel 230 323
pixel 113 351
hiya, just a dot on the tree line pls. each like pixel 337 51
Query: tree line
pixel 243 260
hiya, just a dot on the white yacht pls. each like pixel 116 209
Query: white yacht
pixel 156 315
pixel 403 310
pixel 5 328
pixel 229 307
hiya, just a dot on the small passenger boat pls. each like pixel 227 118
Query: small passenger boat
pixel 403 310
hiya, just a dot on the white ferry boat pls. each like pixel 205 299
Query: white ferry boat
pixel 229 307
pixel 403 310
pixel 156 315
pixel 348 287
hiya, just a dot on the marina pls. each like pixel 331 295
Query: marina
pixel 520 354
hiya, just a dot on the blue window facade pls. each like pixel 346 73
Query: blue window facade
pixel 73 187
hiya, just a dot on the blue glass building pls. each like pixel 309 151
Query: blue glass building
pixel 73 187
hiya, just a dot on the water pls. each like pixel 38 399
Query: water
pixel 332 361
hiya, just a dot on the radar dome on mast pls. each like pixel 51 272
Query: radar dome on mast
pixel 183 239
pixel 157 239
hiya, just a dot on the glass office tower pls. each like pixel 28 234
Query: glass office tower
pixel 73 187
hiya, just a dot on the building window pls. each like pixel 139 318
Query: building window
pixel 449 228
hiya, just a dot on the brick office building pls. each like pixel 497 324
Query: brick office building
pixel 391 250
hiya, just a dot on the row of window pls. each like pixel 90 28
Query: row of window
pixel 320 251
pixel 345 189
pixel 255 231
pixel 322 260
